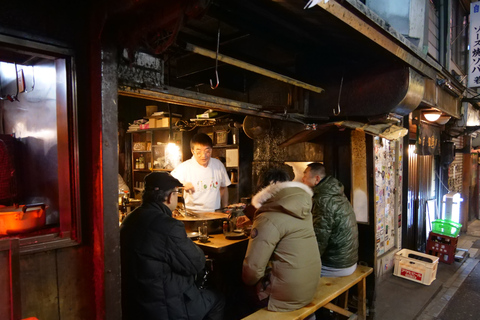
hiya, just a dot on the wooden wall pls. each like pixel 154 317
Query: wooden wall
pixel 66 283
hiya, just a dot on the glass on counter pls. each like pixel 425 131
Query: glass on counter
pixel 203 232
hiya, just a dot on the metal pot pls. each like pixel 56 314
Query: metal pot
pixel 195 219
pixel 20 219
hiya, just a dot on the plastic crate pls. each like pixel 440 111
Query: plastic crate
pixel 442 246
pixel 446 227
pixel 416 266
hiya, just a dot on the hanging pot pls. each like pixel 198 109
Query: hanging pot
pixel 20 219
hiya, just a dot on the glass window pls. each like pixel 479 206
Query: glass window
pixel 459 35
pixel 38 145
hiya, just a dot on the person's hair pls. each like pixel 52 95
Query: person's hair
pixel 202 139
pixel 158 196
pixel 317 169
pixel 272 175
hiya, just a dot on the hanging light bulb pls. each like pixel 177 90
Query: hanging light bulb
pixel 432 115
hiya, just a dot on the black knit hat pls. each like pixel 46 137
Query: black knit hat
pixel 161 181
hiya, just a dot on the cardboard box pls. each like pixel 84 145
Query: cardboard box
pixel 416 266
pixel 162 122
pixel 165 122
pixel 151 110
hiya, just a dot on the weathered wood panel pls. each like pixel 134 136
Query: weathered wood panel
pixel 38 285
pixel 75 284
pixel 4 286
pixel 359 196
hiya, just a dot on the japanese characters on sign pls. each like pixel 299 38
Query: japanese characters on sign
pixel 474 44
pixel 428 140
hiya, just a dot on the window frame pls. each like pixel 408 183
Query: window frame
pixel 68 231
pixel 459 36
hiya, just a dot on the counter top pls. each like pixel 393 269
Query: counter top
pixel 199 216
pixel 218 243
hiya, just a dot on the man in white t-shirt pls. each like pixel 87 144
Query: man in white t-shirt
pixel 204 178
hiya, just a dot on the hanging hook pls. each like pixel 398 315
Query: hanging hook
pixel 218 81
pixel 335 112
pixel 216 63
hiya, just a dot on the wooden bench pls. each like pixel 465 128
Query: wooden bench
pixel 328 289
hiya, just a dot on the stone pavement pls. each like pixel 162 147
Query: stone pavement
pixel 401 299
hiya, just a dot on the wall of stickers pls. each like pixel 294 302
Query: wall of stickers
pixel 388 193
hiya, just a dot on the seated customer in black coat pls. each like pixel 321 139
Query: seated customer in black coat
pixel 159 261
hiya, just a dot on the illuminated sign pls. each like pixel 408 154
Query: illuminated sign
pixel 474 44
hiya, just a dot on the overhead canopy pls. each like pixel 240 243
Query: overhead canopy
pixel 278 54
pixel 311 132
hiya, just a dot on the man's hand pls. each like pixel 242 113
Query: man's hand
pixel 188 187
pixel 243 221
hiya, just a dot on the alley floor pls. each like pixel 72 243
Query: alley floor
pixel 453 295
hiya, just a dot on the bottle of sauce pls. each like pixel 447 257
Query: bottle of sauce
pixel 225 227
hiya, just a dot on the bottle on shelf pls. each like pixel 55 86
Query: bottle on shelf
pixel 137 164
pixel 141 160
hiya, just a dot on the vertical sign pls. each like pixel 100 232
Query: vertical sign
pixel 474 44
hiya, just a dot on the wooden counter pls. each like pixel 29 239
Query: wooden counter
pixel 217 243
pixel 226 276
pixel 201 216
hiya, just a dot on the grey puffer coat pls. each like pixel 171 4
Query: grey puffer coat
pixel 282 257
pixel 335 224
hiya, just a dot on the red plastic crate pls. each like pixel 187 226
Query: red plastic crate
pixel 443 247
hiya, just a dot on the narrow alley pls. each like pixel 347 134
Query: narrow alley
pixel 453 295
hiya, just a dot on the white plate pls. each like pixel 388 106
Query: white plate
pixel 192 235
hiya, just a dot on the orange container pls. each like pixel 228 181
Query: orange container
pixel 20 219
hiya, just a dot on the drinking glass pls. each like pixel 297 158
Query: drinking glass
pixel 203 232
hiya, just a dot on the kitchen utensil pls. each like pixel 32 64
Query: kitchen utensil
pixel 20 219
pixel 214 221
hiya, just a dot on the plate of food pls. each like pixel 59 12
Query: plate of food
pixel 193 235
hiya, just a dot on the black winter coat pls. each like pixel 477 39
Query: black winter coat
pixel 335 224
pixel 159 264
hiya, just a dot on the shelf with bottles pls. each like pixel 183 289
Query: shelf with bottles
pixel 156 149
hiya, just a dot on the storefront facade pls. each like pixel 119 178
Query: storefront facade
pixel 275 60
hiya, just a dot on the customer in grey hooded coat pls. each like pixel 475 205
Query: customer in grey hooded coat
pixel 282 258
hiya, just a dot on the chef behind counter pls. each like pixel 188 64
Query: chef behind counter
pixel 204 178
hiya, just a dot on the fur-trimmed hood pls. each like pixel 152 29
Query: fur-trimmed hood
pixel 291 197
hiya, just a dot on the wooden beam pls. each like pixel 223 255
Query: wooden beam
pixel 250 67
pixel 337 309
pixel 199 100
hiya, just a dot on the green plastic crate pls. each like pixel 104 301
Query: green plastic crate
pixel 446 227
